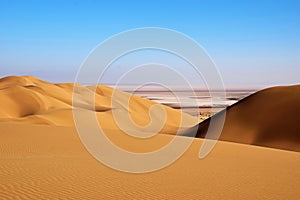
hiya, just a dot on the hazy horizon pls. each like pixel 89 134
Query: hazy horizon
pixel 254 44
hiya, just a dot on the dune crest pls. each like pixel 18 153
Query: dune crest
pixel 267 118
pixel 29 100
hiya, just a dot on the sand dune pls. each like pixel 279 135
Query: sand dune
pixel 49 162
pixel 42 157
pixel 267 118
pixel 29 100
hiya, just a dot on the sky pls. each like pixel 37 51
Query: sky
pixel 253 43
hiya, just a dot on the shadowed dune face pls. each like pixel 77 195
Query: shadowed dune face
pixel 29 100
pixel 267 118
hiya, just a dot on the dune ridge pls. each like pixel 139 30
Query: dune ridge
pixel 266 118
pixel 29 100
pixel 269 118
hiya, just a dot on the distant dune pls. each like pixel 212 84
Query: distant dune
pixel 267 118
pixel 28 100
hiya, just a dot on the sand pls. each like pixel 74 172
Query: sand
pixel 42 157
pixel 269 118
pixel 48 162
pixel 28 100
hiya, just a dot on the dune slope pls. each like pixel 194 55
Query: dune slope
pixel 267 118
pixel 28 100
pixel 49 162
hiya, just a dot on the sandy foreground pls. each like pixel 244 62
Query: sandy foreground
pixel 42 157
pixel 42 162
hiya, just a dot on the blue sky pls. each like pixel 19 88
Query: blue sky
pixel 252 42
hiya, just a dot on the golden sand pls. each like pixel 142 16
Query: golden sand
pixel 42 157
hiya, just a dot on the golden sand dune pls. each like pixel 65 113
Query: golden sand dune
pixel 42 157
pixel 49 162
pixel 29 100
pixel 267 118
